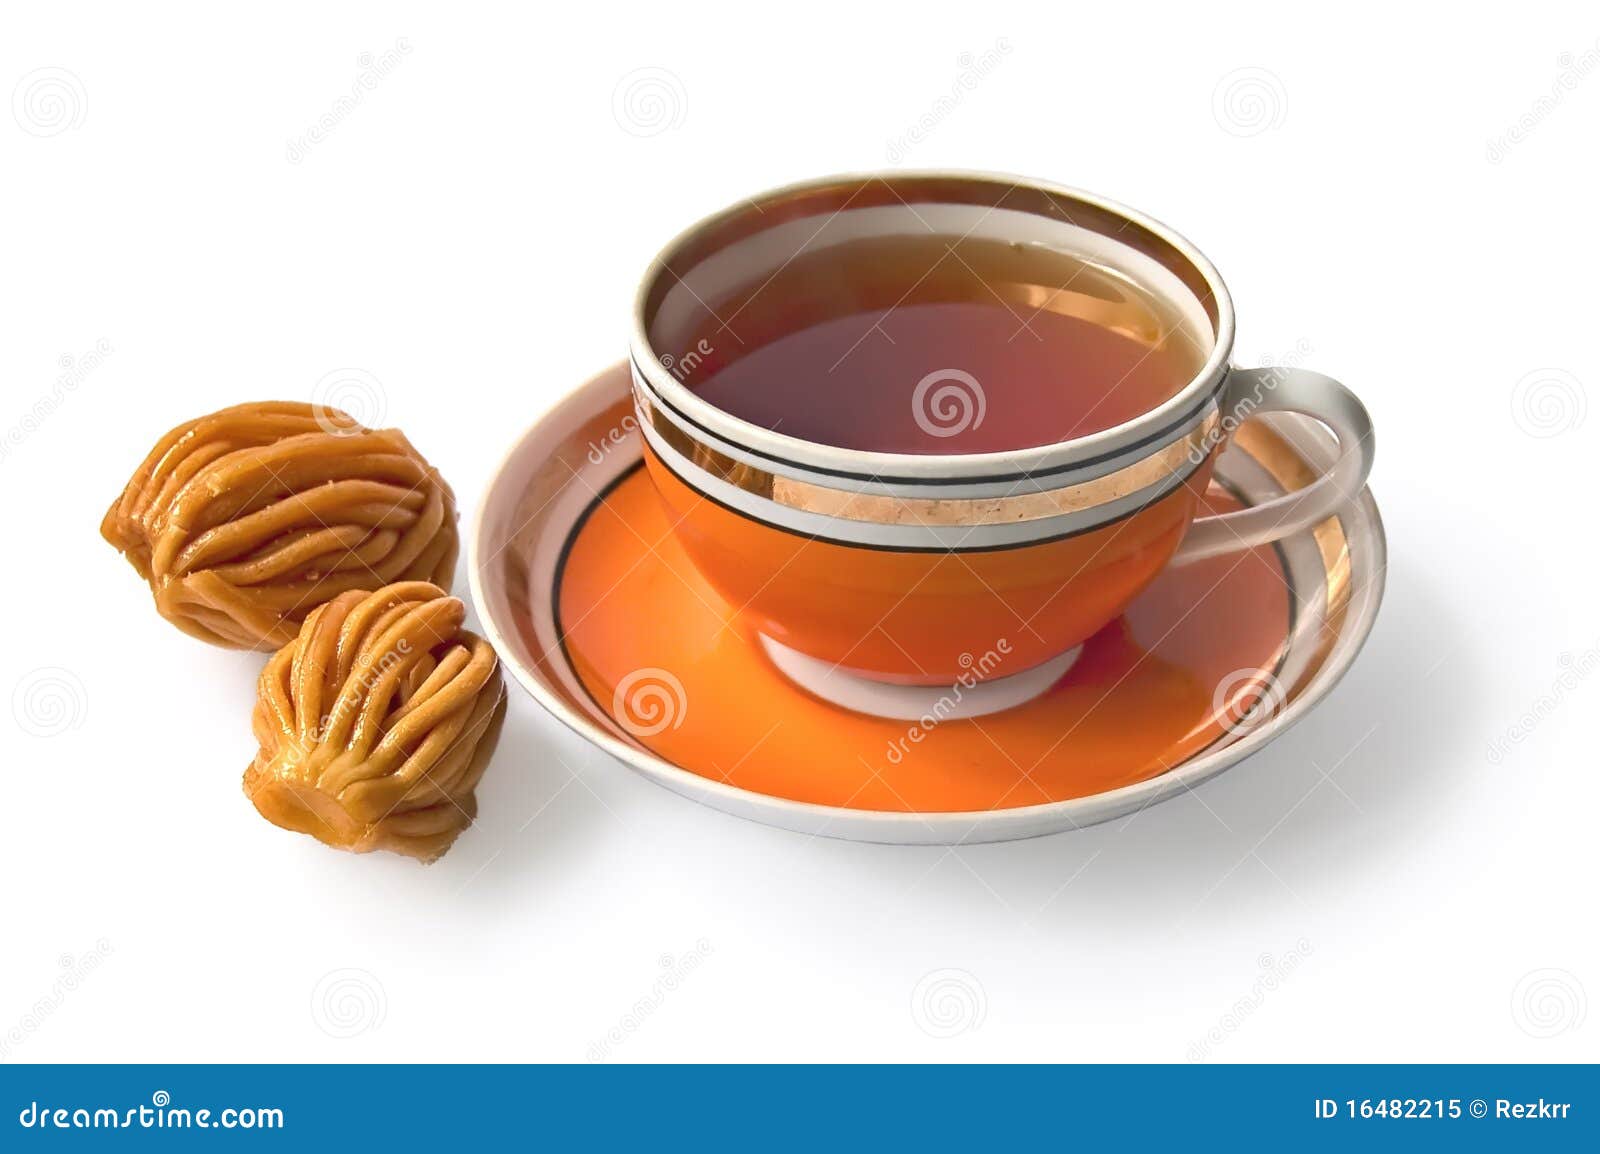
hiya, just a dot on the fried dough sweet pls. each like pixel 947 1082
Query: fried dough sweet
pixel 376 722
pixel 246 520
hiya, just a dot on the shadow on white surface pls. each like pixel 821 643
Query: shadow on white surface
pixel 1342 793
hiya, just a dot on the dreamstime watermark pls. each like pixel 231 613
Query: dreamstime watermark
pixel 1273 372
pixel 1548 402
pixel 158 1114
pixel 1275 971
pixel 75 970
pixel 1573 70
pixel 74 370
pixel 974 68
pixel 1549 1002
pixel 682 367
pixel 649 101
pixel 348 1002
pixel 49 101
pixel 1247 698
pixel 947 1003
pixel 675 970
pixel 948 402
pixel 649 701
pixel 685 365
pixel 1249 101
pixel 615 437
pixel 975 670
pixel 374 69
pixel 349 400
pixel 49 701
pixel 370 669
pixel 1575 670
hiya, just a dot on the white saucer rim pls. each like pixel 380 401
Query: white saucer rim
pixel 936 828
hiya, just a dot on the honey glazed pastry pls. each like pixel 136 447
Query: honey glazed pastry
pixel 375 723
pixel 245 521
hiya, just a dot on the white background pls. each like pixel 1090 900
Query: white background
pixel 470 234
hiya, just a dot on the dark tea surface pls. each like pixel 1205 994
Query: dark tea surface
pixel 913 345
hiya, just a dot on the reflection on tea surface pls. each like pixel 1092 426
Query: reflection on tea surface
pixel 938 343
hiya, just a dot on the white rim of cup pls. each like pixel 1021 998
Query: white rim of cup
pixel 764 441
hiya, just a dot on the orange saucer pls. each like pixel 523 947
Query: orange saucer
pixel 597 611
pixel 673 663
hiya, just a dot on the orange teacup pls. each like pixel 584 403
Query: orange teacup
pixel 950 559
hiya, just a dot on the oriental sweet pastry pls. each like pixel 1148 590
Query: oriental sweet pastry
pixel 245 521
pixel 376 722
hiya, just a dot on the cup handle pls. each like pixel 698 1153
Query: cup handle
pixel 1250 392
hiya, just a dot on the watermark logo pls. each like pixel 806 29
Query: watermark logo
pixel 649 101
pixel 1274 971
pixel 1246 698
pixel 682 367
pixel 973 69
pixel 1574 69
pixel 675 970
pixel 947 402
pixel 75 970
pixel 1264 380
pixel 337 723
pixel 349 1002
pixel 73 372
pixel 49 101
pixel 1575 670
pixel 974 670
pixel 349 400
pixel 374 70
pixel 649 701
pixel 50 701
pixel 687 364
pixel 158 1114
pixel 619 435
pixel 1549 1002
pixel 1249 101
pixel 947 1003
pixel 1548 402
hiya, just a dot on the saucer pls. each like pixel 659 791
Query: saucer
pixel 596 610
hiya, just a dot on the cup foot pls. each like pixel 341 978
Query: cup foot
pixel 863 694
